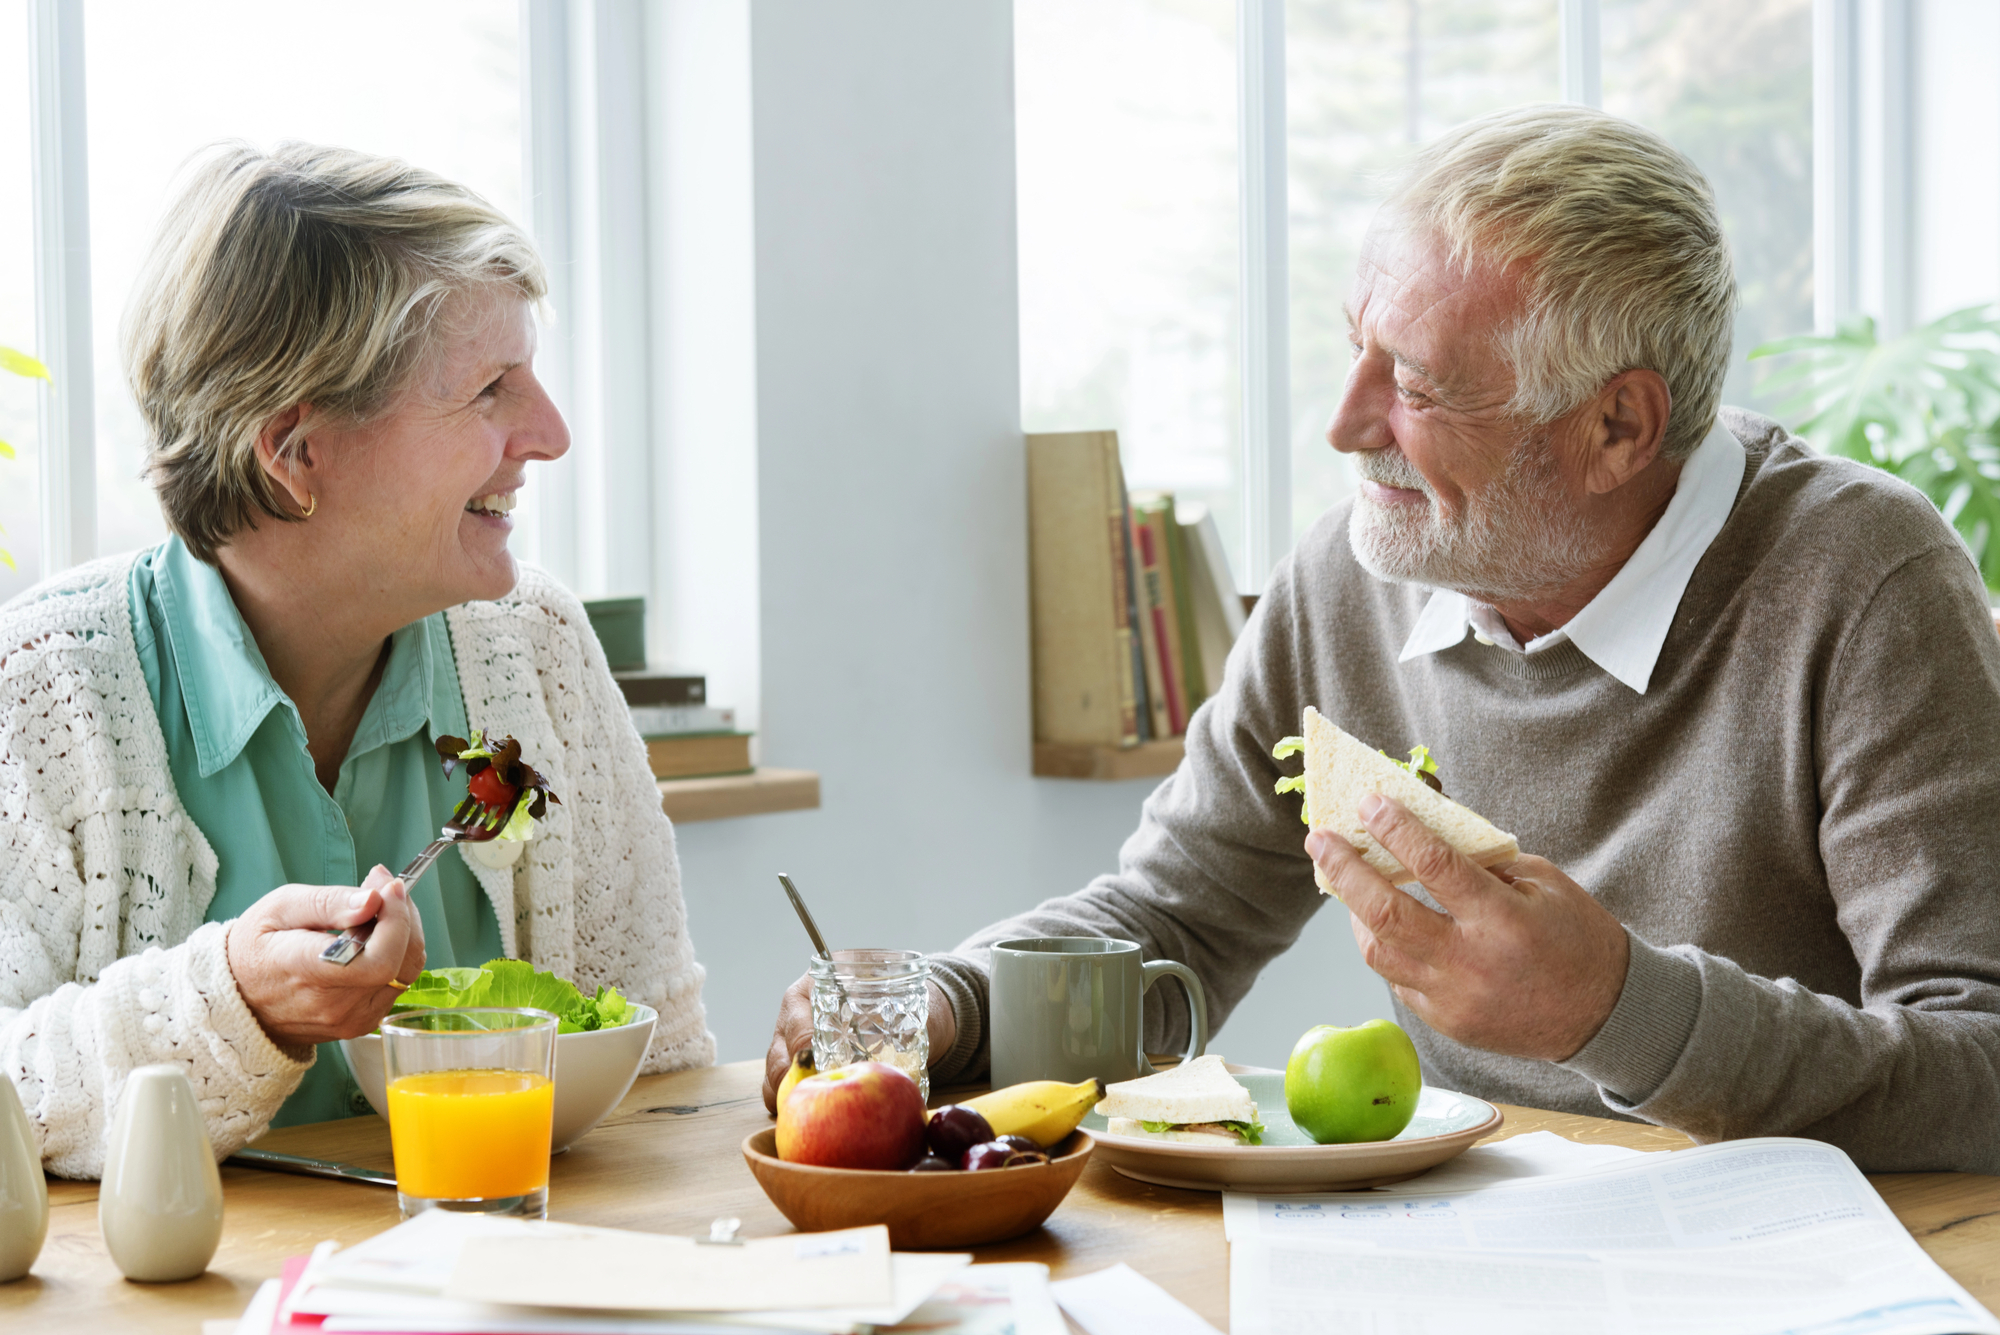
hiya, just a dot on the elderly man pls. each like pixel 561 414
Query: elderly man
pixel 1746 698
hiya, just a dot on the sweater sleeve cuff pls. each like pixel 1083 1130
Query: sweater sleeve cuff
pixel 964 983
pixel 1648 1029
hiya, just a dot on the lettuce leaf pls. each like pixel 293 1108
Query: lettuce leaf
pixel 1293 783
pixel 505 982
pixel 1252 1132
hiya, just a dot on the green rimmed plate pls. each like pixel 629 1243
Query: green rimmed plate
pixel 1288 1160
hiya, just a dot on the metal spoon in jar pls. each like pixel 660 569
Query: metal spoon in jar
pixel 860 1053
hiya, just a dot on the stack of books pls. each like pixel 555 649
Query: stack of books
pixel 686 737
pixel 1134 608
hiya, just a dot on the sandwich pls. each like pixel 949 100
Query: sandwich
pixel 1340 771
pixel 1196 1103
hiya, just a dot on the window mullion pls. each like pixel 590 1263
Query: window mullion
pixel 68 446
pixel 1263 281
pixel 1582 52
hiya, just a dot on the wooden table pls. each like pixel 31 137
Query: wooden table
pixel 667 1162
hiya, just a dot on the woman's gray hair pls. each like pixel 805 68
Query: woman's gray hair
pixel 307 276
pixel 1621 257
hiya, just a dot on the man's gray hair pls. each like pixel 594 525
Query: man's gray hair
pixel 1620 256
pixel 307 276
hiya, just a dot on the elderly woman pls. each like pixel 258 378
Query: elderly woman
pixel 206 747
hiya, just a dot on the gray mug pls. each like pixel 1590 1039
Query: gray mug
pixel 1070 1007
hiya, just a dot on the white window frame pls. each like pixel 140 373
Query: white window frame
pixel 1863 186
pixel 589 518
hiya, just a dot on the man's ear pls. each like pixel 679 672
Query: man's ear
pixel 1628 428
pixel 285 460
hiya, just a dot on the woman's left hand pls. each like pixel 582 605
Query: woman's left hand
pixel 301 999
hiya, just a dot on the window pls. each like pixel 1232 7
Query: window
pixel 444 94
pixel 1364 81
pixel 1126 138
pixel 432 81
pixel 1850 146
pixel 20 477
pixel 1730 85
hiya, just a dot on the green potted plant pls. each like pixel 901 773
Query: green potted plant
pixel 21 364
pixel 1924 406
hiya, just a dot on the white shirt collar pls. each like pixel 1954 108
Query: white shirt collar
pixel 1622 628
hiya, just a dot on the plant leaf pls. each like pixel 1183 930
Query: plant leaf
pixel 20 363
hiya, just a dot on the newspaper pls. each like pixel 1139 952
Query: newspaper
pixel 1749 1236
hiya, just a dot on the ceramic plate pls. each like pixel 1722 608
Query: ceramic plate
pixel 1288 1160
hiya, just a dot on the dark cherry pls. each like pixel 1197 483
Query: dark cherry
pixel 930 1163
pixel 1021 1143
pixel 954 1129
pixel 999 1154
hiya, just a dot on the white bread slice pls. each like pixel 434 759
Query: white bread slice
pixel 1196 1091
pixel 1129 1126
pixel 1340 771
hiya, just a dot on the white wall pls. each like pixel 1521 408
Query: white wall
pixel 889 504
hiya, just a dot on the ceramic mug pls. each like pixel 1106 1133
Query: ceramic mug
pixel 1070 1007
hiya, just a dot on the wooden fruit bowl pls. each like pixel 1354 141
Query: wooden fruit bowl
pixel 924 1211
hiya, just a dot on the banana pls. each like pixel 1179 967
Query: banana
pixel 802 1066
pixel 1042 1110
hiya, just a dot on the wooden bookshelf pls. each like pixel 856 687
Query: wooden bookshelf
pixel 1147 760
pixel 754 794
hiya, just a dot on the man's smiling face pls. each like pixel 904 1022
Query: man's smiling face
pixel 1455 492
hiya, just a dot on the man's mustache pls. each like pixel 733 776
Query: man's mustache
pixel 1390 469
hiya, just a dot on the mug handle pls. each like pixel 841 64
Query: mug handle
pixel 1152 972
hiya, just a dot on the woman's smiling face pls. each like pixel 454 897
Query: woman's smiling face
pixel 416 497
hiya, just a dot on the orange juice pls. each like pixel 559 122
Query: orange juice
pixel 471 1135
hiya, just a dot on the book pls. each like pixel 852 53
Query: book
pixel 1081 628
pixel 1193 673
pixel 699 755
pixel 1127 584
pixel 1152 516
pixel 661 688
pixel 1218 608
pixel 675 720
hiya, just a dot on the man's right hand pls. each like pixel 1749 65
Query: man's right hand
pixel 794 1031
pixel 301 999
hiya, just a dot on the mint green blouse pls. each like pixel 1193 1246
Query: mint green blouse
pixel 237 750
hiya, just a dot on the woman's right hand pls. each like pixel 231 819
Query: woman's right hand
pixel 301 999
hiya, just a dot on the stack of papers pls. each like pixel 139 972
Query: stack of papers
pixel 1740 1238
pixel 443 1272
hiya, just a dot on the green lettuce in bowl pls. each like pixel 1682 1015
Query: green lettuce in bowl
pixel 505 982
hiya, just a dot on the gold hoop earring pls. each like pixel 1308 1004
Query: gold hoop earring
pixel 312 504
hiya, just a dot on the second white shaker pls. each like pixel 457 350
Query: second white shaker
pixel 24 1192
pixel 160 1205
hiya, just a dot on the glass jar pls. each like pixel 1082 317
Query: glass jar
pixel 873 1005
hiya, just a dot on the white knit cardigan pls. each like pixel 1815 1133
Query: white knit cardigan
pixel 105 963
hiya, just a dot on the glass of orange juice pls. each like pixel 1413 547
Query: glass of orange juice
pixel 471 1097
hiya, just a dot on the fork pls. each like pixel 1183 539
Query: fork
pixel 474 822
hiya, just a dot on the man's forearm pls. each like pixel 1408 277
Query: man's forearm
pixel 1901 1089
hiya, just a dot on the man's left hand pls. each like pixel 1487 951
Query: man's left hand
pixel 1523 961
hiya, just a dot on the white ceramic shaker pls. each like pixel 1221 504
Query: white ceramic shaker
pixel 160 1205
pixel 24 1192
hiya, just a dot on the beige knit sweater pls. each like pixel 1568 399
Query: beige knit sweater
pixel 105 962
pixel 1798 822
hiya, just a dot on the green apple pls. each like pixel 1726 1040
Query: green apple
pixel 1348 1085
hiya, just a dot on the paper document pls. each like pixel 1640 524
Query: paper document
pixel 651 1272
pixel 402 1280
pixel 1119 1300
pixel 1008 1298
pixel 1749 1236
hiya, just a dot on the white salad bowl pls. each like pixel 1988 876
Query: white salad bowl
pixel 593 1071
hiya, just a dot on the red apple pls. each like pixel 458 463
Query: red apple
pixel 868 1115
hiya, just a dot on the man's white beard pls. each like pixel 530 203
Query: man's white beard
pixel 1517 539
